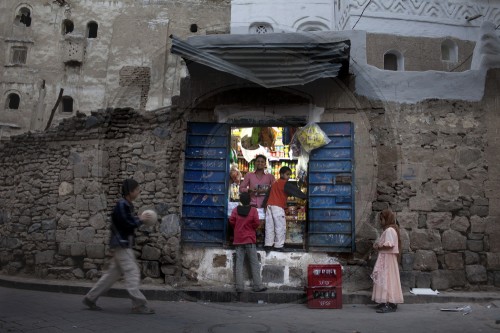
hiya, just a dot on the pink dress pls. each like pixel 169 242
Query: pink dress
pixel 385 276
pixel 251 181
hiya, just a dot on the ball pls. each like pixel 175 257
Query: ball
pixel 149 217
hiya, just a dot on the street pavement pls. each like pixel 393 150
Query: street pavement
pixel 24 310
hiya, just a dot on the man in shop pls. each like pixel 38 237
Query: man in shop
pixel 257 183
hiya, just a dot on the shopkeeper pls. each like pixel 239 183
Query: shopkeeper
pixel 257 183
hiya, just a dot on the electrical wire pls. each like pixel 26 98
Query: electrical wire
pixel 360 16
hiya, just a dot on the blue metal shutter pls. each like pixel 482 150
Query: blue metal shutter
pixel 331 191
pixel 204 203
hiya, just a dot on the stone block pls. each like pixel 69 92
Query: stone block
pixel 446 279
pixel 65 188
pixel 496 277
pixel 476 273
pixel 439 221
pixel 408 220
pixel 475 245
pixel 407 280
pixel 78 249
pixel 421 203
pixel 482 211
pixel 151 268
pixel 64 249
pixel 423 280
pixel 97 221
pixel 97 203
pixel 80 171
pixel 421 239
pixel 425 260
pixel 273 274
pixel 478 224
pixel 86 235
pixel 45 257
pixel 150 253
pixel 448 189
pixel 71 235
pixel 454 240
pixel 49 224
pixel 95 251
pixel 493 261
pixel 81 203
pixel 407 260
pixel 471 258
pixel 170 226
pixel 454 261
pixel 168 269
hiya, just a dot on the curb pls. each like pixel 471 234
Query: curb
pixel 223 295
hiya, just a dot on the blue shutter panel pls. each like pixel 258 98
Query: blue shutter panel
pixel 331 191
pixel 204 203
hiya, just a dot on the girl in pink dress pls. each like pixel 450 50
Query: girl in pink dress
pixel 386 282
pixel 257 183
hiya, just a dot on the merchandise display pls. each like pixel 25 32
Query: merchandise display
pixel 270 142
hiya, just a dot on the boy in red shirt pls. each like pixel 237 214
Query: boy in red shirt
pixel 245 220
pixel 275 211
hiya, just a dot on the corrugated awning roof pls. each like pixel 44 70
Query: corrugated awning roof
pixel 270 60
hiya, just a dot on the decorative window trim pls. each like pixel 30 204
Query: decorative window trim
pixel 260 28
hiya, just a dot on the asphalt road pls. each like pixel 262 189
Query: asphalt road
pixel 38 311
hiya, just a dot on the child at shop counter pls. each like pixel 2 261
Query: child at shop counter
pixel 257 183
pixel 276 203
pixel 245 220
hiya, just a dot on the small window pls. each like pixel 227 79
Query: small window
pixel 67 27
pixel 13 101
pixel 449 51
pixel 18 55
pixel 393 61
pixel 193 28
pixel 261 28
pixel 67 104
pixel 23 17
pixel 92 29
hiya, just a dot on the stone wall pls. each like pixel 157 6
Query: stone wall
pixel 432 164
pixel 436 186
pixel 57 189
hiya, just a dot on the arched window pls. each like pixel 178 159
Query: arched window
pixel 67 104
pixel 23 17
pixel 261 28
pixel 313 26
pixel 393 61
pixel 67 27
pixel 13 101
pixel 449 51
pixel 92 29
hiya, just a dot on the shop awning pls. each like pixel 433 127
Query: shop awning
pixel 270 60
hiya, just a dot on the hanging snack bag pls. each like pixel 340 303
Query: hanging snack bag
pixel 312 136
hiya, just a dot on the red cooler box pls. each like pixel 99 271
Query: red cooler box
pixel 324 298
pixel 324 275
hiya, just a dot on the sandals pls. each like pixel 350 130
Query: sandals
pixel 143 309
pixel 386 308
pixel 91 305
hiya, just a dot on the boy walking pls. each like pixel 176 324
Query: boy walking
pixel 123 224
pixel 245 220
pixel 275 211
